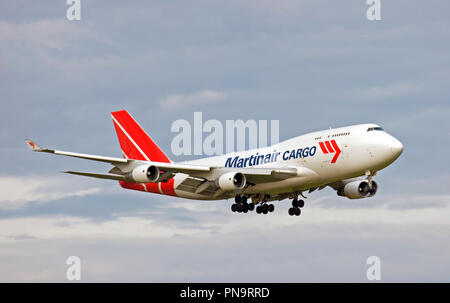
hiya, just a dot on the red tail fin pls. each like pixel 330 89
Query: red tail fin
pixel 134 141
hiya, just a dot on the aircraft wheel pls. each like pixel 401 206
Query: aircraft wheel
pixel 295 203
pixel 291 211
pixel 239 208
pixel 234 207
pixel 245 208
pixel 298 211
pixel 258 209
pixel 301 203
pixel 265 208
pixel 271 207
pixel 237 199
pixel 251 206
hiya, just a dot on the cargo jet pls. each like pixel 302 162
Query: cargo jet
pixel 344 159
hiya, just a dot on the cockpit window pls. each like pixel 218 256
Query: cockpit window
pixel 375 128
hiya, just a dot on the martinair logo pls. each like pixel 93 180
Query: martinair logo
pixel 330 147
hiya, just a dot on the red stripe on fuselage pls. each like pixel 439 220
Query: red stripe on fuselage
pixel 166 188
pixel 130 185
pixel 337 149
pixel 330 149
pixel 152 187
pixel 323 148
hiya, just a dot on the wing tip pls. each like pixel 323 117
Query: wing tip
pixel 33 146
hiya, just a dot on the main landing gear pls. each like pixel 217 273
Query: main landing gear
pixel 242 206
pixel 265 208
pixel 296 205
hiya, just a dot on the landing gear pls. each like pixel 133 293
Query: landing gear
pixel 295 209
pixel 240 199
pixel 265 208
pixel 259 209
pixel 298 203
pixel 262 207
pixel 241 205
pixel 234 207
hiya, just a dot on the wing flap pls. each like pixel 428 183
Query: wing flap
pixel 198 186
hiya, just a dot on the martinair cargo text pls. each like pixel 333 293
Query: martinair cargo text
pixel 344 159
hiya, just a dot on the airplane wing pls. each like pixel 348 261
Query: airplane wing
pixel 37 148
pixel 202 173
pixel 123 165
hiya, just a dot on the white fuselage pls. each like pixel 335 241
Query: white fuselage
pixel 314 155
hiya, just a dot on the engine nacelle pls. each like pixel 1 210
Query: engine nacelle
pixel 231 181
pixel 358 189
pixel 144 174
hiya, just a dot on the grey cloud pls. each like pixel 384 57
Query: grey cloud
pixel 308 254
pixel 310 65
pixel 23 237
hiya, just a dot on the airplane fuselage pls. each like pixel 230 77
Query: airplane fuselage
pixel 322 157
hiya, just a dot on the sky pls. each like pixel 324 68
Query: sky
pixel 309 64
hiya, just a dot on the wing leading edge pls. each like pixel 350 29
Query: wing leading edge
pixel 122 167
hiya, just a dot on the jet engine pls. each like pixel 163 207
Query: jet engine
pixel 358 189
pixel 231 181
pixel 144 174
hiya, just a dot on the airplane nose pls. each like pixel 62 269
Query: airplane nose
pixel 396 148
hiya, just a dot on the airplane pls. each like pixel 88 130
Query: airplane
pixel 344 159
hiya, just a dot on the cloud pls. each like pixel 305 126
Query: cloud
pixel 56 42
pixel 61 227
pixel 178 101
pixel 273 7
pixel 55 34
pixel 16 192
pixel 334 251
pixel 203 219
pixel 385 92
pixel 424 117
pixel 281 56
pixel 419 202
